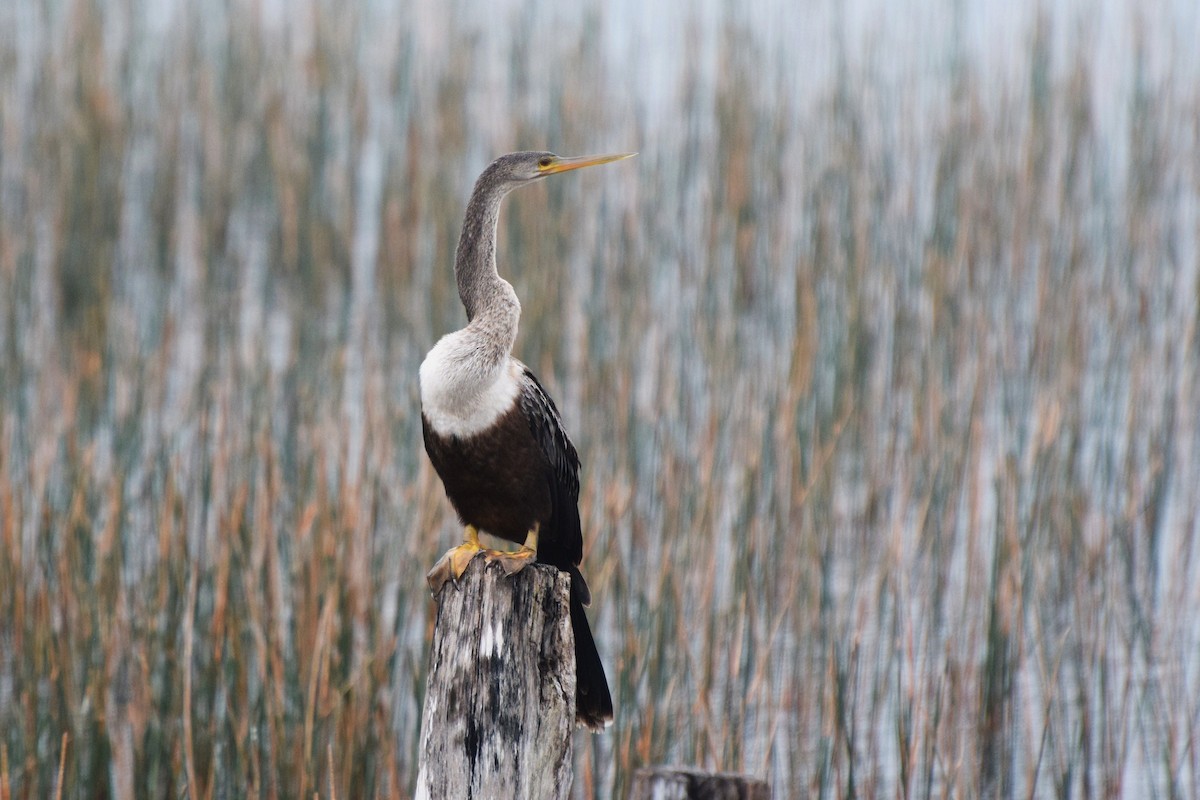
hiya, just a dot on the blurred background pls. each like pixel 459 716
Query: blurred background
pixel 882 361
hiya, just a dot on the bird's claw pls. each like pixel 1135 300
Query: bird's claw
pixel 517 560
pixel 451 566
pixel 514 562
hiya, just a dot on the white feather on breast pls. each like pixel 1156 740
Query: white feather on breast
pixel 460 394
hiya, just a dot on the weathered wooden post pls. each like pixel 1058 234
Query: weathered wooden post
pixel 500 696
pixel 676 783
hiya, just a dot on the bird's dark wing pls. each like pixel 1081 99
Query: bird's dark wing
pixel 562 545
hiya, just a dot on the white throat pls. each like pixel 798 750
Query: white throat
pixel 463 394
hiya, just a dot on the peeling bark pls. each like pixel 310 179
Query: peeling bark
pixel 500 696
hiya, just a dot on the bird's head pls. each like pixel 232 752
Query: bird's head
pixel 517 169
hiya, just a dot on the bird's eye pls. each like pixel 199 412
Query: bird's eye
pixel 545 161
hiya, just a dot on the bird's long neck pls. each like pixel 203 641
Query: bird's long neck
pixel 491 304
pixel 479 283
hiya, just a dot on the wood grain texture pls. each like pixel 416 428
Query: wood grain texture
pixel 500 696
pixel 676 783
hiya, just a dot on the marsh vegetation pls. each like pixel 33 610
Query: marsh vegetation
pixel 882 361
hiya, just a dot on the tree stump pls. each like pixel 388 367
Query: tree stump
pixel 500 695
pixel 674 783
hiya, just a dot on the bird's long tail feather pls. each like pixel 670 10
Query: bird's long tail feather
pixel 593 702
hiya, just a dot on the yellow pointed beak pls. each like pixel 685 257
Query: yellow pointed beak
pixel 567 164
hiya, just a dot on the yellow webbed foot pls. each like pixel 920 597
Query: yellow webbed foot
pixel 516 560
pixel 453 564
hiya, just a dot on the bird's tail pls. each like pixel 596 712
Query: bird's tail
pixel 593 703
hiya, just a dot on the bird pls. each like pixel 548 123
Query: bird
pixel 494 435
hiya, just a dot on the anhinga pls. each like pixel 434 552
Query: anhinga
pixel 493 433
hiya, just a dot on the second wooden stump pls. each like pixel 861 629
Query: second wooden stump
pixel 679 783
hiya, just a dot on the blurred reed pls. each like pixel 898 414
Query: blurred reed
pixel 885 389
